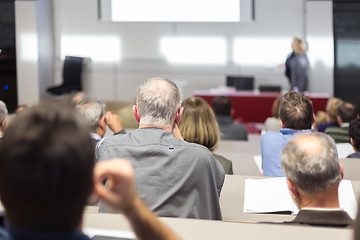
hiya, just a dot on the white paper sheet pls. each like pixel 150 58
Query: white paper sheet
pixel 268 195
pixel 91 232
pixel 347 198
pixel 344 149
pixel 272 195
pixel 258 162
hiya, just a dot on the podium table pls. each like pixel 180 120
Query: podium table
pixel 254 106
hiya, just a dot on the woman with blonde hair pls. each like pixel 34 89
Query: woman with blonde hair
pixel 198 125
pixel 297 65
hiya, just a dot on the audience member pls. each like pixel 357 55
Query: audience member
pixel 96 119
pixel 296 114
pixel 3 116
pixel 273 123
pixel 346 112
pixel 320 118
pixel 309 162
pixel 198 125
pixel 173 177
pixel 354 135
pixel 47 174
pixel 229 130
pixel 331 114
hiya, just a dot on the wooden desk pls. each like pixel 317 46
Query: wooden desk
pixel 255 106
pixel 189 229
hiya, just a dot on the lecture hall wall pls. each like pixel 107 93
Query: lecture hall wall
pixel 125 54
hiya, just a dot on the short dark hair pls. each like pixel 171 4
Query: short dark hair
pixel 354 133
pixel 347 112
pixel 222 105
pixel 46 167
pixel 296 111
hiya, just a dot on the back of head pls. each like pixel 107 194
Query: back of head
pixel 46 165
pixel 198 123
pixel 158 101
pixel 332 107
pixel 347 112
pixel 354 133
pixel 309 160
pixel 299 46
pixel 296 111
pixel 222 105
pixel 92 111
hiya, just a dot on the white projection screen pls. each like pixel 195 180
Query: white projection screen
pixel 176 10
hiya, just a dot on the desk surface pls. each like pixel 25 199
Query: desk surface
pixel 239 146
pixel 232 201
pixel 205 229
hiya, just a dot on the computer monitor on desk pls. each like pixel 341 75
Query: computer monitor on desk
pixel 240 82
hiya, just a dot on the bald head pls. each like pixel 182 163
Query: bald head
pixel 309 160
pixel 158 100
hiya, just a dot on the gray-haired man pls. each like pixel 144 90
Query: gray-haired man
pixel 310 164
pixel 173 177
pixel 96 119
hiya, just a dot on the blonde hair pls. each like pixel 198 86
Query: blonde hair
pixel 299 46
pixel 198 123
pixel 331 108
pixel 319 119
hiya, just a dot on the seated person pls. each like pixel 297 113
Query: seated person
pixel 354 134
pixel 310 164
pixel 320 118
pixel 229 130
pixel 174 178
pixel 296 114
pixel 96 119
pixel 346 112
pixel 47 175
pixel 273 123
pixel 198 125
pixel 331 114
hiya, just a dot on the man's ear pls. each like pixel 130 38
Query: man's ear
pixel 102 122
pixel 2 126
pixel 282 124
pixel 339 120
pixel 352 143
pixel 314 117
pixel 179 114
pixel 341 170
pixel 293 190
pixel 136 113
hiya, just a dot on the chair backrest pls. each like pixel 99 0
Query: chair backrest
pixel 72 71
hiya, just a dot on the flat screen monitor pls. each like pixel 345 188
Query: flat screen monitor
pixel 240 82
